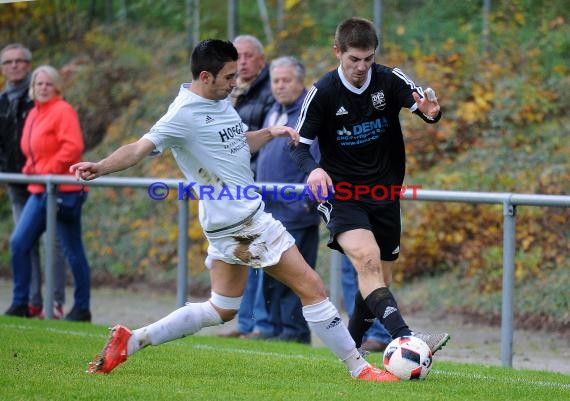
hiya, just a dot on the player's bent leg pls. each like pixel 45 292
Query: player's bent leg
pixel 361 248
pixel 293 271
pixel 321 315
pixel 183 322
pixel 323 318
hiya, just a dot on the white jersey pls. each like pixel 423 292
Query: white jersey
pixel 207 139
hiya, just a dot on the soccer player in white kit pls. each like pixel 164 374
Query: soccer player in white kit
pixel 212 148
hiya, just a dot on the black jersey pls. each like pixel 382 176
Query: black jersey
pixel 359 132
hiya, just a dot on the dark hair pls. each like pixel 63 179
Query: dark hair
pixel 355 32
pixel 211 55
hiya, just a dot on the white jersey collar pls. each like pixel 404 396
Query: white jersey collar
pixel 350 86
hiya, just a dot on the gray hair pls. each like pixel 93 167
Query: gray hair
pixel 289 61
pixel 12 46
pixel 52 73
pixel 251 39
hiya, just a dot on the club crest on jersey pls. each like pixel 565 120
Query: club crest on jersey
pixel 378 100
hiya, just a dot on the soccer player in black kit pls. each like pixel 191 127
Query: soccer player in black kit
pixel 354 113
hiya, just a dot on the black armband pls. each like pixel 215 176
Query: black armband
pixel 301 154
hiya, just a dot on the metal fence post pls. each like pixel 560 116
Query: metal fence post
pixel 335 278
pixel 509 228
pixel 51 223
pixel 182 269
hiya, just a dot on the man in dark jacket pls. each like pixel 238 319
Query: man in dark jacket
pixel 252 100
pixel 252 97
pixel 283 307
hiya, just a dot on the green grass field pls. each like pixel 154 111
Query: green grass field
pixel 46 360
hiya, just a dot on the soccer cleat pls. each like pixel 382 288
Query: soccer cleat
pixel 373 374
pixel 435 341
pixel 114 353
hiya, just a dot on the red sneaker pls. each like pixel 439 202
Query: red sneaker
pixel 57 312
pixel 373 374
pixel 114 353
pixel 34 311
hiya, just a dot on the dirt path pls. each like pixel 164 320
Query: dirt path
pixel 469 343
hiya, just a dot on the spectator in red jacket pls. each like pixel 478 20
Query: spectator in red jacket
pixel 51 141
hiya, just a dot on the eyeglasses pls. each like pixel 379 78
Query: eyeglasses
pixel 16 61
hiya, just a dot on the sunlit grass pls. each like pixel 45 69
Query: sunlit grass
pixel 46 360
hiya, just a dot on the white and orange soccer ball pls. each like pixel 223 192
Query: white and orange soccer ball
pixel 408 358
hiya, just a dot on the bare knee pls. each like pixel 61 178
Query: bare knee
pixel 372 272
pixel 367 263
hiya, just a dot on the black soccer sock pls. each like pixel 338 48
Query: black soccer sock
pixel 382 303
pixel 361 319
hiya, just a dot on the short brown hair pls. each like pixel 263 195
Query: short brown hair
pixel 355 32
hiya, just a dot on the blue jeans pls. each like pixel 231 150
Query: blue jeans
pixel 31 225
pixel 18 197
pixel 284 312
pixel 349 282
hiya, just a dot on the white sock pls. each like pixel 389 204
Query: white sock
pixel 324 319
pixel 183 322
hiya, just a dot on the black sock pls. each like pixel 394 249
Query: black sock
pixel 361 319
pixel 382 303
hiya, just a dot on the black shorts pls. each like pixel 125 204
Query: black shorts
pixel 383 219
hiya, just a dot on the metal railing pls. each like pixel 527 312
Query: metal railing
pixel 509 201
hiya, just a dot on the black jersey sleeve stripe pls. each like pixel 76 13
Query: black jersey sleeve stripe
pixel 400 74
pixel 310 95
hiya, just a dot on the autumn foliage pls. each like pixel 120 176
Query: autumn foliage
pixel 505 125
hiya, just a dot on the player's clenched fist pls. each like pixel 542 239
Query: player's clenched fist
pixel 85 171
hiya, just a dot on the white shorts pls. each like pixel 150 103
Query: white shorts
pixel 258 242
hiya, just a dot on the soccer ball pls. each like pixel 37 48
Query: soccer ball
pixel 408 358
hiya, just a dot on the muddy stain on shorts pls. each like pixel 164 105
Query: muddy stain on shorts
pixel 242 251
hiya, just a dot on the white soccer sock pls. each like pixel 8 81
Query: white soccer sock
pixel 324 319
pixel 183 322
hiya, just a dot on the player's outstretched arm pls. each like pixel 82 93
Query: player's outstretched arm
pixel 256 139
pixel 121 159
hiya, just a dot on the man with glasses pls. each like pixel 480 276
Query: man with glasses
pixel 252 100
pixel 16 61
